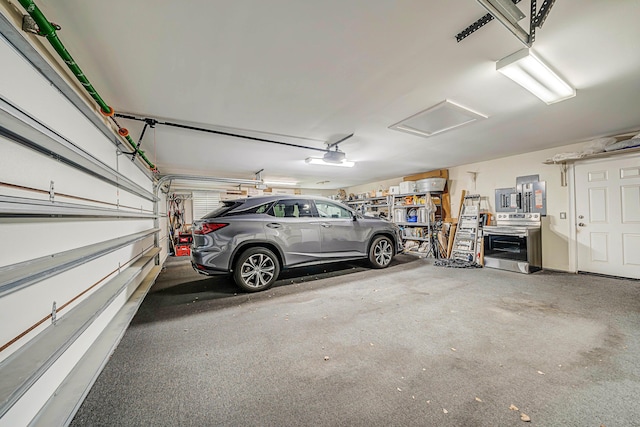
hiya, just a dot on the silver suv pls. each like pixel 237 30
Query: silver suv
pixel 255 238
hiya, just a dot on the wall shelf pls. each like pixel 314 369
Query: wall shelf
pixel 594 156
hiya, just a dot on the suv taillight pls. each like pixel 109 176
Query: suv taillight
pixel 207 228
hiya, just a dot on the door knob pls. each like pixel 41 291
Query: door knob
pixel 581 224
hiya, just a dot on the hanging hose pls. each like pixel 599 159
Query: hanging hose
pixel 48 30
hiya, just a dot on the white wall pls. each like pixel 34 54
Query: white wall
pixel 373 186
pixel 318 192
pixel 501 173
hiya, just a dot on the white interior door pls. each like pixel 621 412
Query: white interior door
pixel 608 216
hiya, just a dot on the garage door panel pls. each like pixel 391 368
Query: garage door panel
pixel 34 238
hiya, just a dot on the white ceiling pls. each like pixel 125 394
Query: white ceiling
pixel 306 72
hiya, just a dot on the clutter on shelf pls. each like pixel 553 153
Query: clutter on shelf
pixel 597 146
pixel 420 205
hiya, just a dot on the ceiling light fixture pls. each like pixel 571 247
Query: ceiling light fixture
pixel 332 158
pixel 270 182
pixel 526 69
pixel 321 161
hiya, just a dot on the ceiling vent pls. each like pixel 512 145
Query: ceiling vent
pixel 437 119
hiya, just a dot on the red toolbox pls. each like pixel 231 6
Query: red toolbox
pixel 183 250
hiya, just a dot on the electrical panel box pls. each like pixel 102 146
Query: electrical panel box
pixel 506 200
pixel 528 196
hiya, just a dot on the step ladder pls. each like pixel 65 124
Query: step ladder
pixel 465 243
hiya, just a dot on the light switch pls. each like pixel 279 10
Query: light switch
pixel 563 215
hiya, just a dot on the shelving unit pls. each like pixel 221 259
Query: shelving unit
pixel 374 205
pixel 422 231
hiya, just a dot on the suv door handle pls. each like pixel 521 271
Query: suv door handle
pixel 325 225
pixel 274 225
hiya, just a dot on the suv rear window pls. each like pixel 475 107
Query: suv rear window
pixel 223 209
pixel 259 209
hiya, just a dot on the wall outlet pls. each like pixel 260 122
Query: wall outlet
pixel 563 215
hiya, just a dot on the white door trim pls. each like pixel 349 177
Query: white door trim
pixel 573 234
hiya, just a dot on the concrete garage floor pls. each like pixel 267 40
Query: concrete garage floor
pixel 413 344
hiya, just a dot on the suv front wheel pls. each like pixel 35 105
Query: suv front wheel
pixel 256 269
pixel 381 252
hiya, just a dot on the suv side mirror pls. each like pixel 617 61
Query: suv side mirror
pixel 354 216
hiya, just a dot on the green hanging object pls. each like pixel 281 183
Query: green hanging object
pixel 48 30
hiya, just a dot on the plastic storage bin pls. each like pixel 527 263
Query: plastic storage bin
pixel 183 250
pixel 431 184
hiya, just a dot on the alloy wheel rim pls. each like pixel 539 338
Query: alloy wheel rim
pixel 382 252
pixel 257 270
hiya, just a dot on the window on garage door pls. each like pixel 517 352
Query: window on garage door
pixel 205 202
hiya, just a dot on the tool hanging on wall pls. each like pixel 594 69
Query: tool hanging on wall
pixel 176 220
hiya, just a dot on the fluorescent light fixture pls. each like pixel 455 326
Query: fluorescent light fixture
pixel 270 182
pixel 526 69
pixel 320 161
pixel 441 117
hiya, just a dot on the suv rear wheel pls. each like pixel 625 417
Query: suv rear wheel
pixel 381 252
pixel 256 269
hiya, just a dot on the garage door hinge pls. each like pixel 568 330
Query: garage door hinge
pixel 54 313
pixel 52 194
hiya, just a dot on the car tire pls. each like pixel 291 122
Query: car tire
pixel 381 252
pixel 256 269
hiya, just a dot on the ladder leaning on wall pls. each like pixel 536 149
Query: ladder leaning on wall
pixel 465 244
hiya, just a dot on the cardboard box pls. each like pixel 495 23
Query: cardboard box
pixel 440 173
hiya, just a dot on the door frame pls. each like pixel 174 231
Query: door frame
pixel 573 199
pixel 573 232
